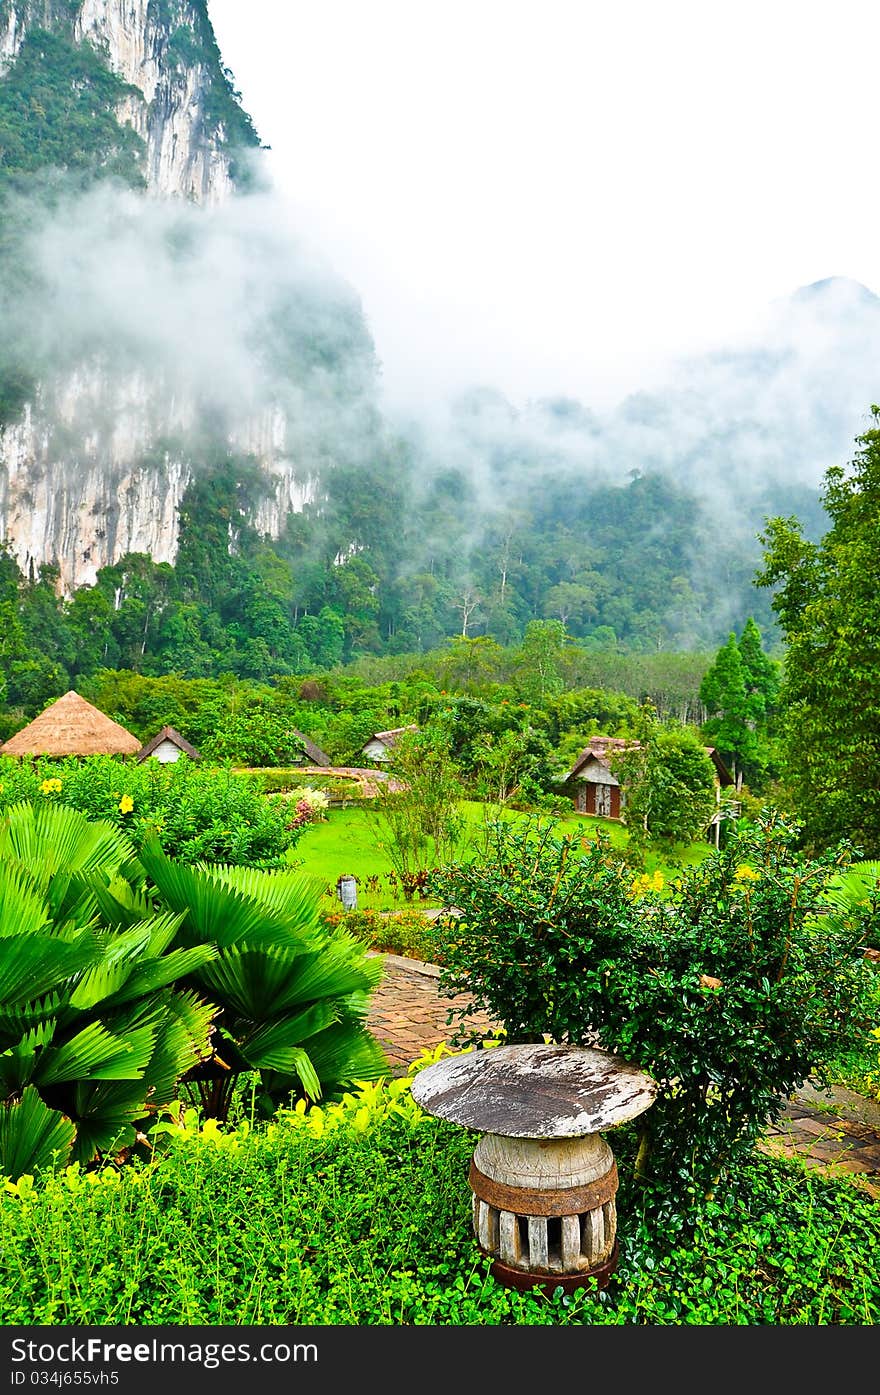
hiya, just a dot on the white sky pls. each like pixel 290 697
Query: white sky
pixel 558 196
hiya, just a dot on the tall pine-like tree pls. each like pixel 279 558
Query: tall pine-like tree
pixel 826 602
pixel 740 691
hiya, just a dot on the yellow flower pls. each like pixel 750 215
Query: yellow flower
pixel 51 787
pixel 126 804
pixel 645 883
pixel 746 874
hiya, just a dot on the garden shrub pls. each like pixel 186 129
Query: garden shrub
pixel 94 1033
pixel 403 932
pixel 198 812
pixel 292 994
pixel 122 977
pixel 729 988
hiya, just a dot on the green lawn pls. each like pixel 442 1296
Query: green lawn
pixel 347 844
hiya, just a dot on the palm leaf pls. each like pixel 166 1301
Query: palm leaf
pixel 269 1047
pixel 214 912
pixel 119 903
pixel 33 1136
pixel 155 974
pixel 105 1115
pixel 346 1053
pixel 290 895
pixel 31 965
pixel 182 1041
pixel 19 1062
pixel 15 1021
pixel 51 838
pixel 98 1054
pixel 22 910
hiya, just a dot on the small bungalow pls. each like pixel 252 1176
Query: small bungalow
pixel 382 743
pixel 168 746
pixel 596 787
pixel 72 727
pixel 597 790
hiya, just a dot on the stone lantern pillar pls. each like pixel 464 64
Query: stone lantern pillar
pixel 543 1178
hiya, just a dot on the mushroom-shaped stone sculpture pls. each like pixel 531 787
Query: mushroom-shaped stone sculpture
pixel 543 1179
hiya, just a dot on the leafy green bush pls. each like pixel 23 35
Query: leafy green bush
pixel 360 1215
pixel 198 812
pixel 729 989
pixel 400 932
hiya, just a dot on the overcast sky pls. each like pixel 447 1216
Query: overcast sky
pixel 560 196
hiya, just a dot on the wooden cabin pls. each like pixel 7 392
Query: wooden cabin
pixel 596 788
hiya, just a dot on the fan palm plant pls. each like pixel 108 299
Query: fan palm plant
pixel 293 995
pixel 853 897
pixel 94 1034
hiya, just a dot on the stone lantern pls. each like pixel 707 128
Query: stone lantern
pixel 543 1178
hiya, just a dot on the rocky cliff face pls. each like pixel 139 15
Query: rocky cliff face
pixel 95 463
pixel 186 144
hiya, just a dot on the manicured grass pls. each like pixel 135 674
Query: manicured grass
pixel 347 844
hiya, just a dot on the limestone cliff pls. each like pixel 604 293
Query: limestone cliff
pixel 110 427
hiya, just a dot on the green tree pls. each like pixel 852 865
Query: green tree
pixel 739 691
pixel 668 783
pixel 723 690
pixel 539 662
pixel 826 602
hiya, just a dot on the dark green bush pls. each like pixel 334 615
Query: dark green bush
pixel 730 990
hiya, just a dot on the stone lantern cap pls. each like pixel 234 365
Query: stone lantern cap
pixel 534 1091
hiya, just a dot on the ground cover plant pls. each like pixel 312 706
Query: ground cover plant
pixel 358 1214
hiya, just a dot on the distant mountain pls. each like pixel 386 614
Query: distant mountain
pixel 190 421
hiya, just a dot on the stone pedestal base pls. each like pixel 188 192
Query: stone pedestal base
pixel 544 1209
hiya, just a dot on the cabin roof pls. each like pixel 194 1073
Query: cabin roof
pixel 172 735
pixel 70 726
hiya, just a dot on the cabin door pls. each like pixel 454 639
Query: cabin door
pixel 603 801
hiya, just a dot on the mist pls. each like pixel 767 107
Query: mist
pixel 153 325
pixel 216 315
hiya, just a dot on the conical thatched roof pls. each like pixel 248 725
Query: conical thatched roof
pixel 72 727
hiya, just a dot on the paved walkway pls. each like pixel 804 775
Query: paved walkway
pixel 837 1132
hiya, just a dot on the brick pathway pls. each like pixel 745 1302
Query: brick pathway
pixel 408 1015
pixel 839 1132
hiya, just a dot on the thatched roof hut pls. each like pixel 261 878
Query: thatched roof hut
pixel 71 727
